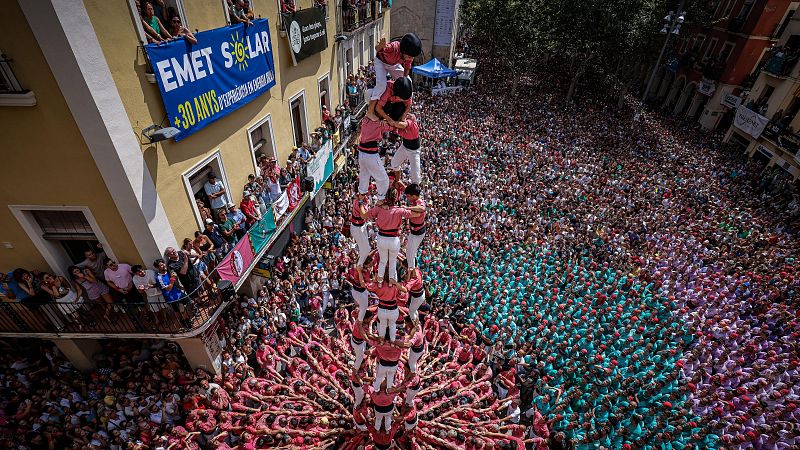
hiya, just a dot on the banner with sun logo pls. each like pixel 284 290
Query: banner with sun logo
pixel 203 82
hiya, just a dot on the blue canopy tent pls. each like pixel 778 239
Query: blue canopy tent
pixel 434 69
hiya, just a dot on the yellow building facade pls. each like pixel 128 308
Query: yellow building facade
pixel 76 167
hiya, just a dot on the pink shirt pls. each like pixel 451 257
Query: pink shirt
pixel 416 223
pixel 371 130
pixel 411 131
pixel 388 352
pixel 122 277
pixel 388 220
pixel 390 55
pixel 387 95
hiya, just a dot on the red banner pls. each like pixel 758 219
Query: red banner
pixel 294 193
pixel 237 262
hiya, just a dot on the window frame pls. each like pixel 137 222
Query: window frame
pixel 259 124
pixel 303 117
pixel 726 44
pixel 54 256
pixel 327 78
pixel 710 48
pixel 187 183
pixel 136 17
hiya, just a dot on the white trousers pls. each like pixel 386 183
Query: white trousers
pixel 362 301
pixel 360 236
pixel 413 157
pixel 412 247
pixel 358 395
pixel 413 307
pixel 410 394
pixel 413 358
pixel 388 248
pixel 387 320
pixel 385 419
pixel 384 373
pixel 358 349
pixel 396 71
pixel 370 165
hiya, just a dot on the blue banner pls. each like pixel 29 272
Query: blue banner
pixel 226 69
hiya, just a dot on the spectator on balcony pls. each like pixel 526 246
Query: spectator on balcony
pixel 89 287
pixel 288 7
pixel 95 261
pixel 180 263
pixel 215 191
pixel 62 292
pixel 178 30
pixel 120 279
pixel 248 9
pixel 326 115
pixel 147 284
pixel 273 187
pixel 153 27
pixel 238 13
pixel 219 244
pixel 10 288
pixel 205 213
pixel 205 247
pixel 170 284
pixel 227 228
pixel 239 221
pixel 249 208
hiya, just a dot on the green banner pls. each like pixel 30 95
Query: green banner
pixel 262 231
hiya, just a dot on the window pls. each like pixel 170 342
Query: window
pixel 249 9
pixel 165 13
pixel 262 141
pixel 11 92
pixel 768 90
pixel 324 92
pixel 699 40
pixel 61 233
pixel 348 62
pixel 8 81
pixel 195 179
pixel 728 8
pixel 726 51
pixel 745 11
pixel 712 46
pixel 297 110
pixel 371 45
pixel 782 27
pixel 69 229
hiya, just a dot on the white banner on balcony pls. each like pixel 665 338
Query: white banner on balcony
pixel 281 205
pixel 707 88
pixel 750 121
pixel 731 101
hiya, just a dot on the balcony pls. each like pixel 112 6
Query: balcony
pixel 356 14
pixel 782 63
pixel 184 317
pixel 780 135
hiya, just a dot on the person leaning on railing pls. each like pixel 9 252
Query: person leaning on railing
pixel 171 289
pixel 153 27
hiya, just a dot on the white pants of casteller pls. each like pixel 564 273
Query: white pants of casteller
pixel 412 247
pixel 396 71
pixel 360 236
pixel 388 248
pixel 358 350
pixel 385 419
pixel 413 307
pixel 358 395
pixel 387 320
pixel 412 156
pixel 410 394
pixel 413 358
pixel 370 165
pixel 384 373
pixel 362 301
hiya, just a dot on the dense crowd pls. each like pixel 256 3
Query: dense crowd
pixel 590 281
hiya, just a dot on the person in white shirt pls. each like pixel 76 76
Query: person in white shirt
pixel 146 283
